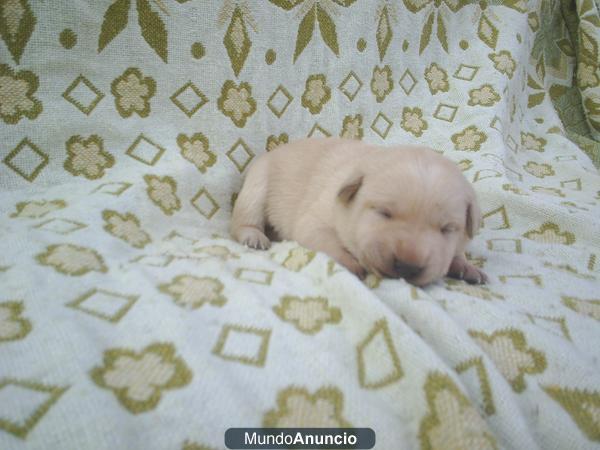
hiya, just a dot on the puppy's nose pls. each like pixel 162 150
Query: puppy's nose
pixel 407 270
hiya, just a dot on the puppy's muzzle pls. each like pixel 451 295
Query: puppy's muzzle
pixel 406 270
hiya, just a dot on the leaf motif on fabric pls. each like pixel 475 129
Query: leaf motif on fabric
pixel 384 33
pixel 16 26
pixel 115 21
pixel 236 41
pixel 487 32
pixel 328 31
pixel 426 33
pixel 305 32
pixel 153 29
pixel 441 32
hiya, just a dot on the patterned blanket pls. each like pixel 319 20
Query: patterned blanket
pixel 130 320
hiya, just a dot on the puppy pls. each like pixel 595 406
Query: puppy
pixel 397 212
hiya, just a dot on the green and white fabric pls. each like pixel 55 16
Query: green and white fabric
pixel 130 320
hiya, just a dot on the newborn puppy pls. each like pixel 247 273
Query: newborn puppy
pixel 397 212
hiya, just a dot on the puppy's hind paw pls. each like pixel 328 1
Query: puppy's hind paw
pixel 254 238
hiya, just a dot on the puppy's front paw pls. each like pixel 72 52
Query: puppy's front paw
pixel 254 238
pixel 359 271
pixel 462 269
pixel 350 263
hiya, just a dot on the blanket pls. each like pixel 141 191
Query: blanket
pixel 129 319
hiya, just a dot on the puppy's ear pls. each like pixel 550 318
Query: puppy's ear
pixel 473 216
pixel 349 189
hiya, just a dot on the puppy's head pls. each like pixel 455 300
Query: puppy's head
pixel 406 213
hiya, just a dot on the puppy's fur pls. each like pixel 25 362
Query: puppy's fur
pixel 397 212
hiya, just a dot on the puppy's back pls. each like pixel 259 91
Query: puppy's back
pixel 304 177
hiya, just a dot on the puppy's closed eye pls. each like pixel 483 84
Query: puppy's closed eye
pixel 383 212
pixel 448 228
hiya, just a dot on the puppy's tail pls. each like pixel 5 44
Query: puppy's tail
pixel 248 216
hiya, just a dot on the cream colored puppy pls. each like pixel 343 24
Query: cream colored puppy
pixel 397 212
